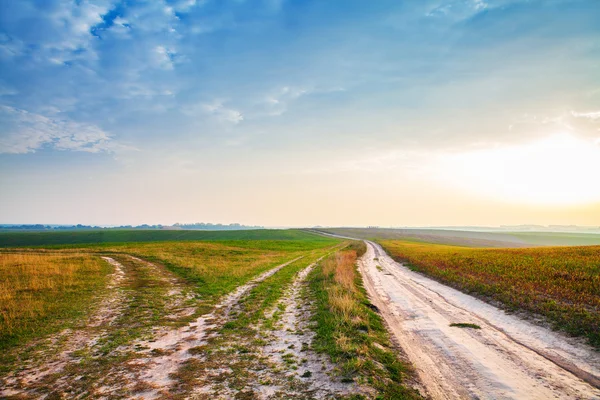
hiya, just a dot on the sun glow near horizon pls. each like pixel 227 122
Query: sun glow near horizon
pixel 561 169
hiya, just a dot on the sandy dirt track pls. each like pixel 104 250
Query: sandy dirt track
pixel 508 358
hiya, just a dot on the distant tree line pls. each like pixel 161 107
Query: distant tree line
pixel 214 227
pixel 195 226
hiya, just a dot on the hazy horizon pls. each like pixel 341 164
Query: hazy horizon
pixel 300 113
pixel 591 229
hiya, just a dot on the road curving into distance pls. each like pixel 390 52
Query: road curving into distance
pixel 508 358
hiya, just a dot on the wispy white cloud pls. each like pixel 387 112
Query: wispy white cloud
pixel 70 37
pixel 7 90
pixel 217 109
pixel 27 132
pixel 127 62
pixel 277 101
pixel 593 115
pixel 164 57
pixel 458 9
pixel 10 47
pixel 479 5
pixel 186 5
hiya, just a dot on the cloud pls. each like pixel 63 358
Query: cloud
pixel 217 109
pixel 61 31
pixel 456 9
pixel 164 57
pixel 479 5
pixel 134 67
pixel 277 101
pixel 10 47
pixel 185 5
pixel 27 132
pixel 593 115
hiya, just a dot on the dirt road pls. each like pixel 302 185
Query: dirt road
pixel 508 358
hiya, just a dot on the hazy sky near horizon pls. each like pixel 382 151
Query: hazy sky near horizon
pixel 289 112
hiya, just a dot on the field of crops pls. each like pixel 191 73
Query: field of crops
pixel 560 283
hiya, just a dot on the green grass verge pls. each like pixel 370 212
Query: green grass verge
pixel 352 333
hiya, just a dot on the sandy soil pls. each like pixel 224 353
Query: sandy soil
pixel 508 358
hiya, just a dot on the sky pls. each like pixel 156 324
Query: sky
pixel 300 113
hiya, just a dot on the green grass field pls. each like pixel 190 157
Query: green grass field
pixel 217 267
pixel 70 238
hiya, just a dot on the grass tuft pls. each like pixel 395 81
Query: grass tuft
pixel 465 325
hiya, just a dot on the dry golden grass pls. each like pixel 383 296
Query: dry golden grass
pixel 342 302
pixel 38 286
pixel 345 273
pixel 341 296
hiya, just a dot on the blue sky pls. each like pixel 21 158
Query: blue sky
pixel 292 112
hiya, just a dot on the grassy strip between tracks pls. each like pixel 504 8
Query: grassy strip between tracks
pixel 351 332
pixel 561 284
